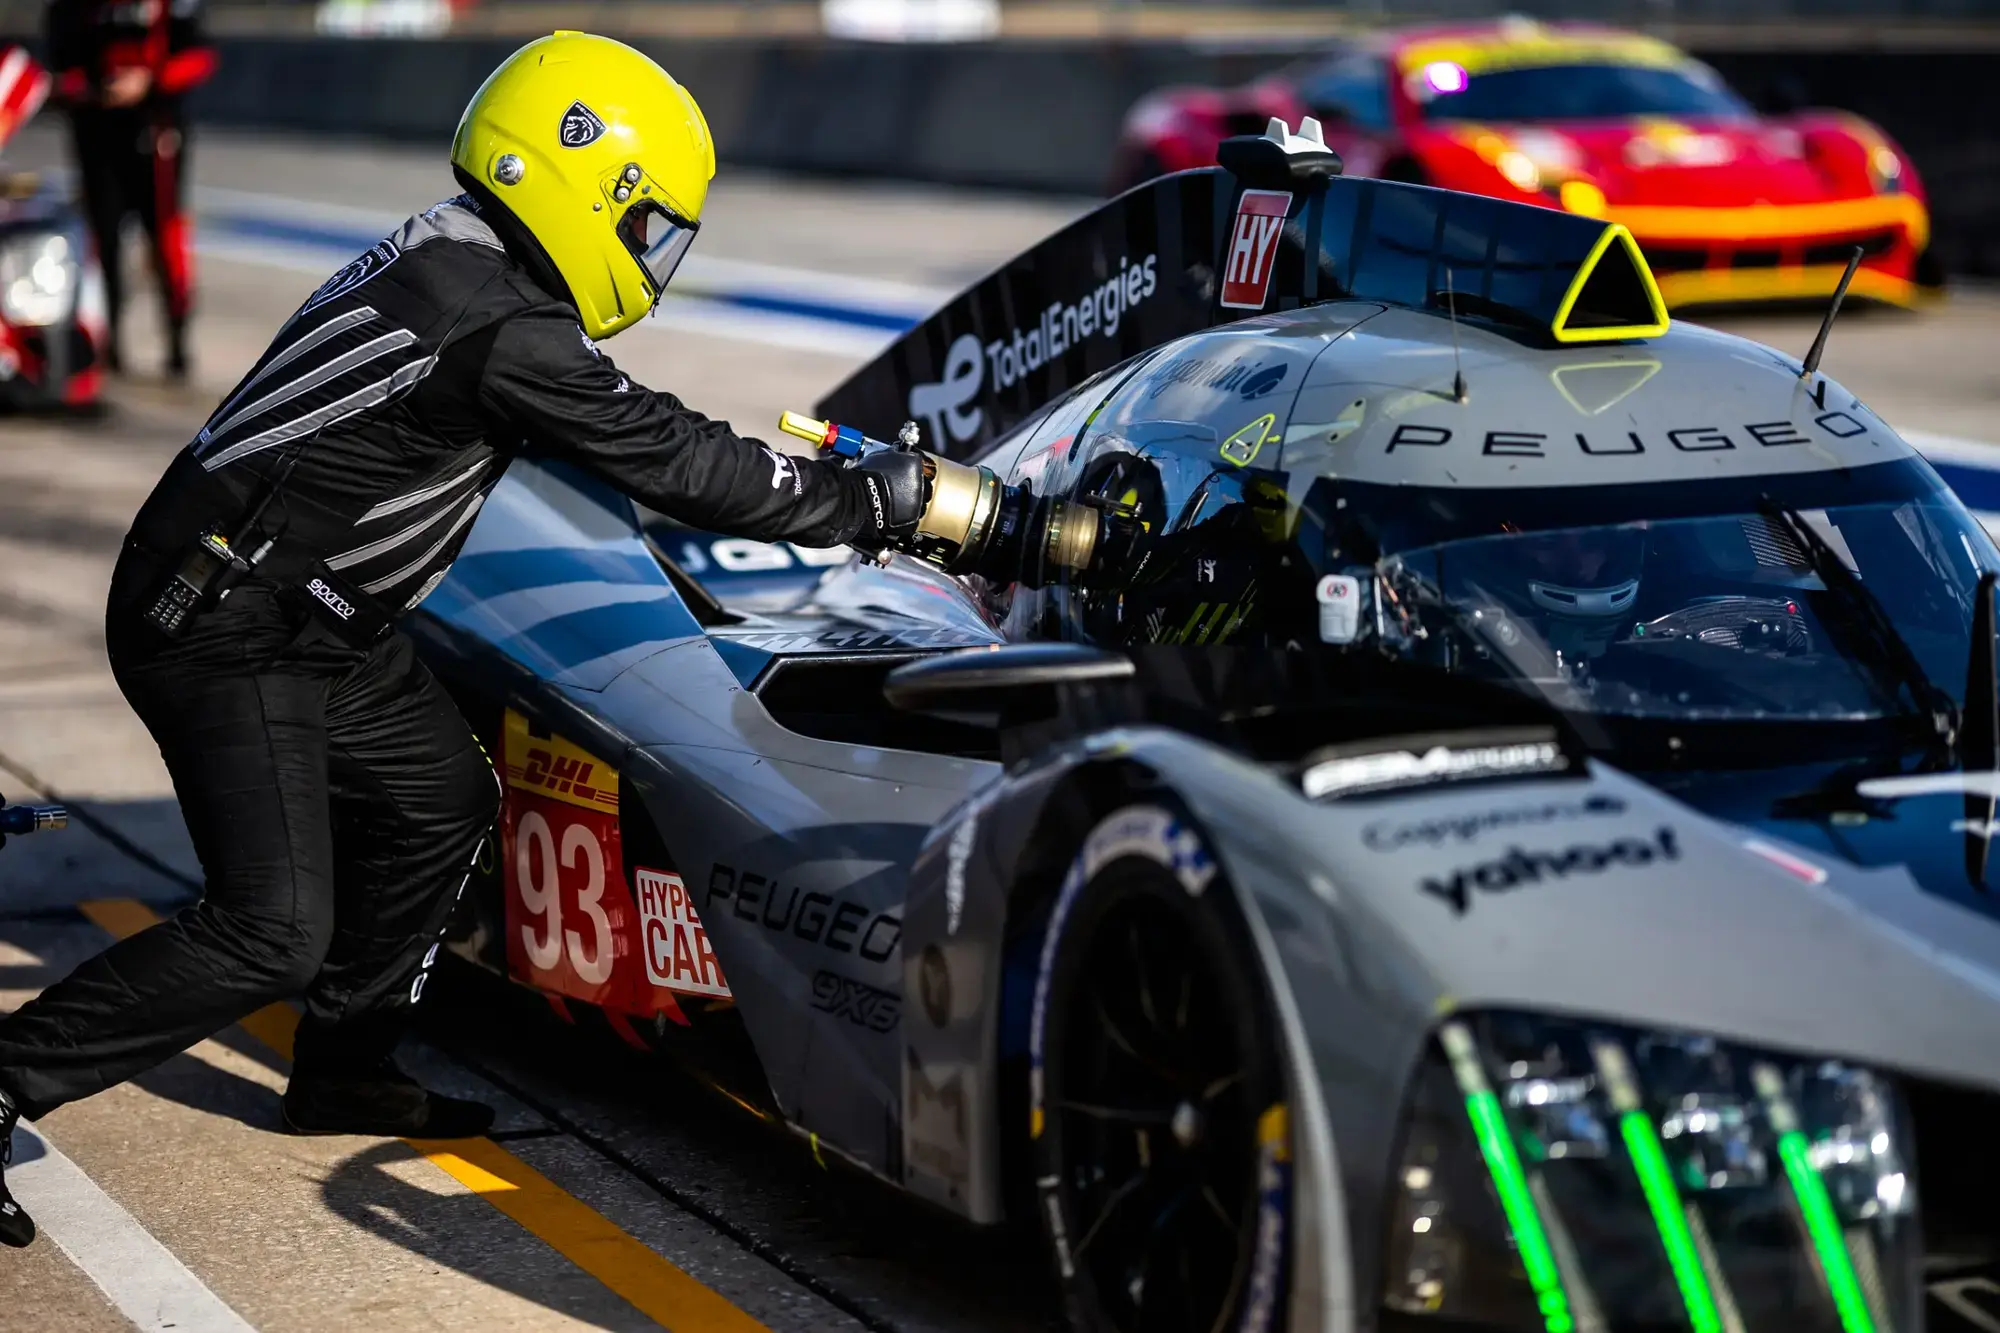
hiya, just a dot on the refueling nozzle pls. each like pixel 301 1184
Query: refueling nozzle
pixel 972 521
pixel 18 819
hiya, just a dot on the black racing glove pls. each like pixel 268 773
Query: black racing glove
pixel 893 490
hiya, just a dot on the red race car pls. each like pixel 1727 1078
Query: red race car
pixel 52 317
pixel 1728 205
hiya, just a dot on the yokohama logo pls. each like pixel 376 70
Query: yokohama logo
pixel 1253 248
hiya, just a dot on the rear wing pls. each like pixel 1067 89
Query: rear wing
pixel 1202 248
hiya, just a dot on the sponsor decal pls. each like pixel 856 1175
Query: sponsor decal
pixel 934 985
pixel 589 343
pixel 335 603
pixel 947 404
pixel 824 919
pixel 782 467
pixel 550 765
pixel 1051 1191
pixel 957 853
pixel 1836 424
pixel 1357 775
pixel 875 504
pixel 863 1005
pixel 1252 255
pixel 677 952
pixel 1339 597
pixel 935 1120
pixel 1274 1188
pixel 1250 381
pixel 1146 831
pixel 358 271
pixel 581 127
pixel 1389 836
pixel 1518 868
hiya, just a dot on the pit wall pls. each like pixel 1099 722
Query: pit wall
pixel 1044 115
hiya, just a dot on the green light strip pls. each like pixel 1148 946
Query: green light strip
pixel 1496 1145
pixel 1650 1160
pixel 1826 1234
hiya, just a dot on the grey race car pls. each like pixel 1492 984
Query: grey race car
pixel 1410 795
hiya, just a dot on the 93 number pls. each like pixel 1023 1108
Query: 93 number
pixel 535 847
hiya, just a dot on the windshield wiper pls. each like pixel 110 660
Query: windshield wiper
pixel 1881 646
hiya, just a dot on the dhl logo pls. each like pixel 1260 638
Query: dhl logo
pixel 554 767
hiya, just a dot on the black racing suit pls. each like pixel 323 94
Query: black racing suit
pixel 133 160
pixel 334 795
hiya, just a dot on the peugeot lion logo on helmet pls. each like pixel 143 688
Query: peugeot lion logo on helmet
pixel 580 126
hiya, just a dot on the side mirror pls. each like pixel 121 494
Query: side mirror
pixel 1006 687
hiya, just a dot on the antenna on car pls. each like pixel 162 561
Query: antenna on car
pixel 1826 325
pixel 1457 365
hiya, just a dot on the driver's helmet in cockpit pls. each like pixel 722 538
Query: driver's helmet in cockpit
pixel 1579 585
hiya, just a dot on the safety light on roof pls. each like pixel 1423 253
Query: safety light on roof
pixel 1445 76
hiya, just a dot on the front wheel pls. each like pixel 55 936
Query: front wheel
pixel 1157 1095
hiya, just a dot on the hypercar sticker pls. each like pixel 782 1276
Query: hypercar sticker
pixel 678 954
pixel 1253 248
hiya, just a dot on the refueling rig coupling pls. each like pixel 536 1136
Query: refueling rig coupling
pixel 17 819
pixel 973 523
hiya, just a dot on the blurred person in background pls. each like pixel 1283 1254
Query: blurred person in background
pixel 123 69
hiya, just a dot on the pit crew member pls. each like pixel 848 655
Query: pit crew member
pixel 334 795
pixel 123 69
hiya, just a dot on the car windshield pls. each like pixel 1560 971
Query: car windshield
pixel 1825 596
pixel 1445 91
pixel 1720 617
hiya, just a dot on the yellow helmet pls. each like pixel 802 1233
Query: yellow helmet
pixel 602 158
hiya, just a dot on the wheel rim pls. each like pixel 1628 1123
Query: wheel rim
pixel 1158 1125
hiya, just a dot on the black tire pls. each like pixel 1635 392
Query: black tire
pixel 1157 1106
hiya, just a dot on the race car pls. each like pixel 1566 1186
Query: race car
pixel 1393 788
pixel 1728 205
pixel 52 312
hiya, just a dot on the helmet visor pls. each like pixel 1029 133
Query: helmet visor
pixel 658 238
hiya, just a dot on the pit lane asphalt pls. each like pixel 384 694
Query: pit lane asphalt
pixel 798 280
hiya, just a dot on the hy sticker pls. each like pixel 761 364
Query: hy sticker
pixel 1253 248
pixel 581 127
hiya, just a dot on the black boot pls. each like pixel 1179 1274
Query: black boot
pixel 381 1101
pixel 16 1227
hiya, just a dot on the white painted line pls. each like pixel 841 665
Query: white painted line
pixel 143 1279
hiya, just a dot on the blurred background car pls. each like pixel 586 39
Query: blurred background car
pixel 51 290
pixel 1729 205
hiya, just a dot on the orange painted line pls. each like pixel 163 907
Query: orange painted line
pixel 652 1285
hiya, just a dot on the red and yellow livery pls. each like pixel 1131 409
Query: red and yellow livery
pixel 1729 205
